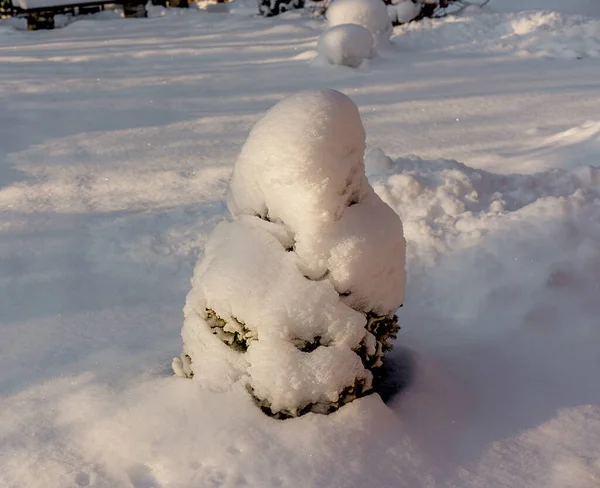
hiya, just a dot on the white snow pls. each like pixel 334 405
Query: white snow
pixel 370 14
pixel 346 45
pixel 117 140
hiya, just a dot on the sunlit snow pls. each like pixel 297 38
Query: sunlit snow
pixel 117 144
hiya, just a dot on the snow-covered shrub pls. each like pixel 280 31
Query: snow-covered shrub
pixel 346 45
pixel 270 8
pixel 403 11
pixel 296 296
pixel 371 14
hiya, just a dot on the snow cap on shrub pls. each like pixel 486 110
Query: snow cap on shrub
pixel 297 295
pixel 346 45
pixel 370 14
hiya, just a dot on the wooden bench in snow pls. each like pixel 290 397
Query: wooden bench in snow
pixel 40 13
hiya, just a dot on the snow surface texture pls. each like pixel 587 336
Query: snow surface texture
pixel 371 14
pixel 346 45
pixel 118 140
pixel 308 228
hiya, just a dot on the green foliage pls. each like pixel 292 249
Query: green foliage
pixel 233 333
pixel 308 346
pixel 5 7
pixel 324 407
pixel 383 329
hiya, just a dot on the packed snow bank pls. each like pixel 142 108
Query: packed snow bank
pixel 568 7
pixel 370 14
pixel 346 45
pixel 540 34
pixel 322 255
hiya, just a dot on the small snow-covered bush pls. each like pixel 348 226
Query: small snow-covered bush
pixel 346 45
pixel 403 11
pixel 371 14
pixel 296 296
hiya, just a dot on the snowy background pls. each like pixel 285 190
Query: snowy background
pixel 117 140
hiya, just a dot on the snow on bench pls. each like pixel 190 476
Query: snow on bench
pixel 41 4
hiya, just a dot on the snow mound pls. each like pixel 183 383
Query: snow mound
pixel 346 45
pixel 11 26
pixel 370 14
pixel 538 34
pixel 322 256
pixel 448 204
pixel 377 162
pixel 456 217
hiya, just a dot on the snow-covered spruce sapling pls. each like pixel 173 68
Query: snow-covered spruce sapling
pixel 296 296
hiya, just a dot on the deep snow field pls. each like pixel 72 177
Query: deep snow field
pixel 117 140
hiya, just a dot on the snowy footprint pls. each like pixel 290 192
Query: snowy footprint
pixel 83 479
pixel 141 476
pixel 215 477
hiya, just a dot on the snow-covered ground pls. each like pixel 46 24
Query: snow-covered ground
pixel 117 140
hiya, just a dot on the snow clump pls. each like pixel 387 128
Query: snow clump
pixel 370 14
pixel 296 296
pixel 346 45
